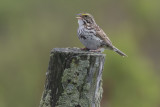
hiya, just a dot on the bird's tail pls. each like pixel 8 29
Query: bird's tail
pixel 118 51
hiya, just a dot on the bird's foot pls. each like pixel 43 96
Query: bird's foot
pixel 97 50
pixel 84 49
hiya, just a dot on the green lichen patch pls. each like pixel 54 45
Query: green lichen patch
pixel 72 82
pixel 75 74
pixel 45 102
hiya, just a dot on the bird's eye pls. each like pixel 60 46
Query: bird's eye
pixel 85 15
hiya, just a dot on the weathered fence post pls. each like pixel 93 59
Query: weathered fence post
pixel 73 79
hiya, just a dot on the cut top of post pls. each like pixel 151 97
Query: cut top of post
pixel 76 51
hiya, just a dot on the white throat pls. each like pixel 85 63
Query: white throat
pixel 80 22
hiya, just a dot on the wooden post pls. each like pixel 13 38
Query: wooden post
pixel 73 79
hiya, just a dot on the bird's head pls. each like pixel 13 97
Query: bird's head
pixel 85 19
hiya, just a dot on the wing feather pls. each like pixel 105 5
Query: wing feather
pixel 101 34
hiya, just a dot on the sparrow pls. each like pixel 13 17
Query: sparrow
pixel 92 36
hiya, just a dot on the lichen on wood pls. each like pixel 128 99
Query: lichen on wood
pixel 73 79
pixel 46 101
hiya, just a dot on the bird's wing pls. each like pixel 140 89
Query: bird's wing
pixel 101 34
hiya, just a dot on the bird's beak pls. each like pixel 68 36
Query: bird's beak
pixel 78 17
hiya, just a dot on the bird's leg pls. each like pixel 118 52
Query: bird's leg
pixel 97 50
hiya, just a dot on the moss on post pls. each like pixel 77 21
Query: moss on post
pixel 73 79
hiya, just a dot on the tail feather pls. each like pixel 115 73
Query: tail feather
pixel 119 52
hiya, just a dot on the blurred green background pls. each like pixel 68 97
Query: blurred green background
pixel 29 29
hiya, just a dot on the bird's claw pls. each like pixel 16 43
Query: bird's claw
pixel 97 50
pixel 84 49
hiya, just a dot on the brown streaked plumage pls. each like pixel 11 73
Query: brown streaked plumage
pixel 92 36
